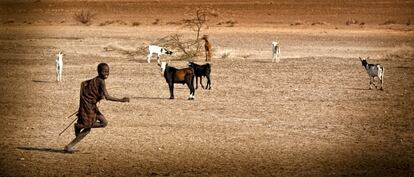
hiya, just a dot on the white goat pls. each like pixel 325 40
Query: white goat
pixel 59 66
pixel 373 70
pixel 158 50
pixel 275 51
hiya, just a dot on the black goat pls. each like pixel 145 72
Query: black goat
pixel 173 75
pixel 200 71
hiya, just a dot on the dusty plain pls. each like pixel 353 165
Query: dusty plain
pixel 311 114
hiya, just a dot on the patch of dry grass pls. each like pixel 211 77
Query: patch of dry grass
pixel 319 23
pixel 351 21
pixel 296 23
pixel 136 23
pixel 110 22
pixel 225 54
pixel 174 23
pixel 9 21
pixel 156 22
pixel 228 23
pixel 389 22
pixel 84 16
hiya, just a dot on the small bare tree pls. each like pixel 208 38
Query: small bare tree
pixel 177 42
pixel 197 21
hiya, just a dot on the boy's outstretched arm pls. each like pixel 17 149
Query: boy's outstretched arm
pixel 111 98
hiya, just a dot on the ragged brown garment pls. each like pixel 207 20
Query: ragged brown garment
pixel 91 92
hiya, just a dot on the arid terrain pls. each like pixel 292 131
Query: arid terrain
pixel 311 114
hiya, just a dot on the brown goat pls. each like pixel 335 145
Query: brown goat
pixel 181 76
pixel 207 47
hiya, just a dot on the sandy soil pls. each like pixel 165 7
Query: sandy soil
pixel 311 114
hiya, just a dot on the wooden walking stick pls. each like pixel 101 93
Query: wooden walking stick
pixel 70 123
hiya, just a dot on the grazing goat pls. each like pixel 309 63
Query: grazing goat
pixel 200 71
pixel 275 51
pixel 207 47
pixel 373 70
pixel 59 66
pixel 158 50
pixel 173 75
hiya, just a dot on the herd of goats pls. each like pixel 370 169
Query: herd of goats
pixel 173 75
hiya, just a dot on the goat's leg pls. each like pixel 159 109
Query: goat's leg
pixel 206 55
pixel 196 82
pixel 278 55
pixel 375 82
pixel 201 82
pixel 379 85
pixel 57 73
pixel 370 82
pixel 208 83
pixel 149 58
pixel 60 73
pixel 382 80
pixel 190 84
pixel 171 86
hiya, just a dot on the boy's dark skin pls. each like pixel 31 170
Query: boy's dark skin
pixel 84 124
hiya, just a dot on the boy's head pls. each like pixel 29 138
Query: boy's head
pixel 103 70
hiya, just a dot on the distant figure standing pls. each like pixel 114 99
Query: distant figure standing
pixel 89 116
pixel 207 47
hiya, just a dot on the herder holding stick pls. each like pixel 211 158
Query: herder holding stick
pixel 89 116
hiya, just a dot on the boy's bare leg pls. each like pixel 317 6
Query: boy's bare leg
pixel 69 147
pixel 102 122
pixel 77 129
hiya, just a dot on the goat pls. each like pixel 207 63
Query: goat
pixel 207 47
pixel 373 70
pixel 275 51
pixel 200 71
pixel 173 75
pixel 59 66
pixel 158 50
